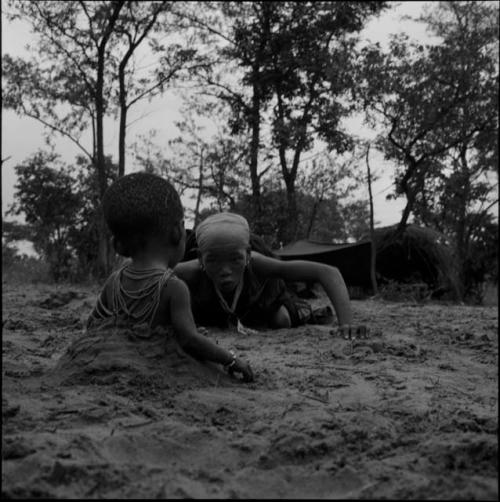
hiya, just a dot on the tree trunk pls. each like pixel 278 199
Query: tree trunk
pixel 405 214
pixel 411 168
pixel 103 250
pixel 254 160
pixel 200 189
pixel 290 233
pixel 123 123
pixel 290 178
pixel 462 243
pixel 312 218
pixel 102 258
pixel 100 161
pixel 103 263
pixel 373 251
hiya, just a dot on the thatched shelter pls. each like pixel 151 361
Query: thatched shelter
pixel 419 254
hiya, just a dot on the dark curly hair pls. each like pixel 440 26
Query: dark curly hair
pixel 138 206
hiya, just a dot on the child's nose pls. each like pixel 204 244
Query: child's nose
pixel 225 271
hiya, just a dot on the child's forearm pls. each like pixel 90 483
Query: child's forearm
pixel 203 348
pixel 334 286
pixel 185 329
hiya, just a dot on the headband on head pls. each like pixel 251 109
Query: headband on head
pixel 223 230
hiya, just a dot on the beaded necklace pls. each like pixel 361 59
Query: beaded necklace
pixel 141 304
pixel 232 310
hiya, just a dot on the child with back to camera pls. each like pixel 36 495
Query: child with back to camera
pixel 233 285
pixel 145 216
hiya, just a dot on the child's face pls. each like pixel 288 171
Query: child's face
pixel 225 267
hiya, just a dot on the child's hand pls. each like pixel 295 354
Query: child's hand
pixel 202 330
pixel 352 331
pixel 241 367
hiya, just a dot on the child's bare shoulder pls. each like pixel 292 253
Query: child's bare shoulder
pixel 174 287
pixel 266 264
pixel 188 271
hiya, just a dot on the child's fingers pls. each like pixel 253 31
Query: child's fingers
pixel 246 373
pixel 363 331
pixel 244 370
pixel 249 375
pixel 202 330
pixel 349 331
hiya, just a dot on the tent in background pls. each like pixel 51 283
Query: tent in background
pixel 419 255
pixel 353 260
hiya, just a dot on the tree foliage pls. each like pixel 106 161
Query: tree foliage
pixel 438 104
pixel 432 98
pixel 46 195
pixel 326 208
pixel 15 231
pixel 289 74
pixel 58 203
pixel 140 22
pixel 83 237
pixel 331 213
pixel 275 79
pixel 85 67
pixel 208 170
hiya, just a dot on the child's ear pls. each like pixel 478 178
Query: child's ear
pixel 119 247
pixel 200 260
pixel 176 233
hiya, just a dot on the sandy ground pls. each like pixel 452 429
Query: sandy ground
pixel 410 413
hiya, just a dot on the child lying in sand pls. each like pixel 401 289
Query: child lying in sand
pixel 145 216
pixel 231 284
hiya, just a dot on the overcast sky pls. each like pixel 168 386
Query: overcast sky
pixel 21 137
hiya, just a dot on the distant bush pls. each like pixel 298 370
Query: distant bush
pixel 22 268
pixel 404 292
pixel 60 204
pixel 490 296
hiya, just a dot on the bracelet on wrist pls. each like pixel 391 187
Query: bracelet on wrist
pixel 232 363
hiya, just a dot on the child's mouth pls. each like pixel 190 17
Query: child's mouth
pixel 226 286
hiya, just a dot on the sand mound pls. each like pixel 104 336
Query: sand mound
pixel 115 354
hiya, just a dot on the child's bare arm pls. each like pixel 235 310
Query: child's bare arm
pixel 187 271
pixel 300 270
pixel 191 340
pixel 101 307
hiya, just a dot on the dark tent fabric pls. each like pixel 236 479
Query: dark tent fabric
pixel 418 255
pixel 353 260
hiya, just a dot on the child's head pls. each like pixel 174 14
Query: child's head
pixel 224 249
pixel 140 207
